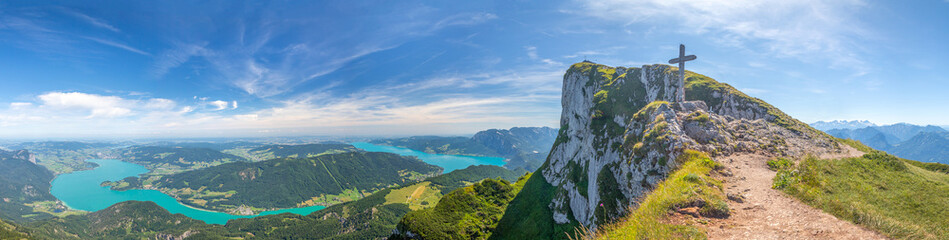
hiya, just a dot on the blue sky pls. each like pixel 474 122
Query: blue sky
pixel 230 68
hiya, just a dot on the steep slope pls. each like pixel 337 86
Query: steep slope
pixel 22 182
pixel 471 212
pixel 619 138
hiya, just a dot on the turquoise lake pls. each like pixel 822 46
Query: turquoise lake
pixel 81 190
pixel 448 162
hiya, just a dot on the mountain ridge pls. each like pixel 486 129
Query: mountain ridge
pixel 620 136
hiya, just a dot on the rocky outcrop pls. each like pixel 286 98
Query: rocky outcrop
pixel 621 133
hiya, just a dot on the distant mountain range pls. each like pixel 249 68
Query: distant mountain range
pixel 841 124
pixel 921 143
pixel 525 147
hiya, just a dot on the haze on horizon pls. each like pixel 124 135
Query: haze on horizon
pixel 246 69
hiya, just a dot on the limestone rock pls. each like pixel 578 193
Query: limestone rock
pixel 621 135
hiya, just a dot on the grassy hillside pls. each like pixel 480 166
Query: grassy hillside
pixel 467 213
pixel 470 175
pixel 284 183
pixel 528 215
pixel 693 185
pixel 893 196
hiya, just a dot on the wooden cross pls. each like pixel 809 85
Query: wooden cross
pixel 680 96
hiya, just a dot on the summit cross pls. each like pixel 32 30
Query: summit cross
pixel 680 96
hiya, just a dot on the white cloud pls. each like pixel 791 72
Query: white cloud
pixel 20 105
pixel 97 105
pixel 521 97
pixel 799 29
pixel 219 105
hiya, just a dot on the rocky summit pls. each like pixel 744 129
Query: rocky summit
pixel 621 134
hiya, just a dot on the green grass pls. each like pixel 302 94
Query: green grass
pixel 856 145
pixel 877 191
pixel 779 163
pixel 417 196
pixel 689 186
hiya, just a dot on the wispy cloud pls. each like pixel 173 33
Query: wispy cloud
pixel 93 21
pixel 798 29
pixel 176 56
pixel 118 45
pixel 464 19
pixel 254 62
pixel 532 54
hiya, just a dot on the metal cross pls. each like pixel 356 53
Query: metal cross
pixel 680 96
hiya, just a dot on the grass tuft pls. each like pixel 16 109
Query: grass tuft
pixel 779 163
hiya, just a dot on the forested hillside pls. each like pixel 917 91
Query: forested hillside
pixel 175 159
pixel 471 212
pixel 22 182
pixel 292 182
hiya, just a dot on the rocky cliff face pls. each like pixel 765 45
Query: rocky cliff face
pixel 621 133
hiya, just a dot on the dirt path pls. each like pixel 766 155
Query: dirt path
pixel 770 214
